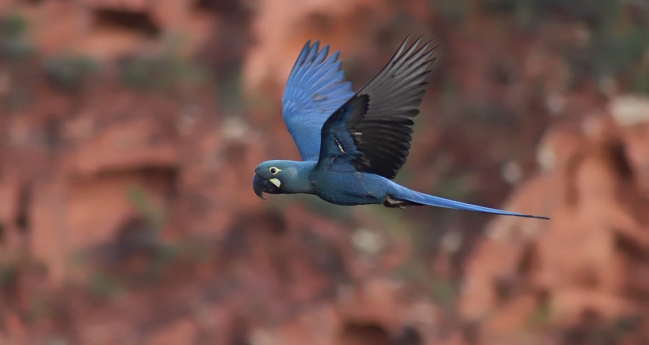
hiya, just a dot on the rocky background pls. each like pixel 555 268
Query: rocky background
pixel 129 131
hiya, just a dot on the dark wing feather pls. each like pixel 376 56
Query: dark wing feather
pixel 377 120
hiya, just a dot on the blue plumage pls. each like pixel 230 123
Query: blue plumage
pixel 353 144
pixel 315 88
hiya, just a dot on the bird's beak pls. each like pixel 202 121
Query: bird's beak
pixel 261 185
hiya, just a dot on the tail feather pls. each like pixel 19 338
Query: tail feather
pixel 403 193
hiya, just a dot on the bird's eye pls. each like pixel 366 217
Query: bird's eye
pixel 274 170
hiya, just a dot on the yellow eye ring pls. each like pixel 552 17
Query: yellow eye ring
pixel 274 170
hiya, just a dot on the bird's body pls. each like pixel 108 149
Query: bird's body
pixel 346 188
pixel 353 144
pixel 350 188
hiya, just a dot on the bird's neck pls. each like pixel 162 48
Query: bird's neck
pixel 299 181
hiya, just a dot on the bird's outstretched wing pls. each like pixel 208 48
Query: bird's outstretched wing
pixel 372 130
pixel 315 88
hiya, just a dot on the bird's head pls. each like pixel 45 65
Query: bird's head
pixel 270 177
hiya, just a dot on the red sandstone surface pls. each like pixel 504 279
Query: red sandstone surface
pixel 129 131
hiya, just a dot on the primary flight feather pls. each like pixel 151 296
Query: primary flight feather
pixel 353 144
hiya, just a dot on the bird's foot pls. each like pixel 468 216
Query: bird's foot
pixel 393 203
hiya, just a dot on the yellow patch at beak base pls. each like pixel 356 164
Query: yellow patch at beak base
pixel 276 182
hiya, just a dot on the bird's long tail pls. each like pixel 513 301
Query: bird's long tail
pixel 403 193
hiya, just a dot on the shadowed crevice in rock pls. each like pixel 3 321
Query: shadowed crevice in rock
pixel 23 215
pixel 139 22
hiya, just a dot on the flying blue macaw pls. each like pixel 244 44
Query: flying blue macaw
pixel 353 144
